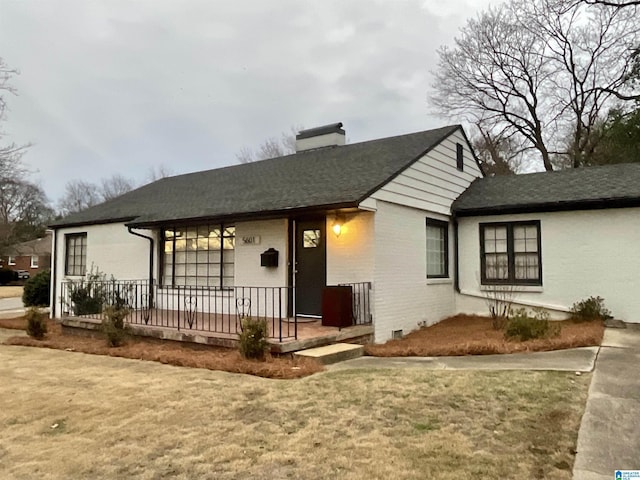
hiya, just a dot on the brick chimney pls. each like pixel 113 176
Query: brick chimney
pixel 320 137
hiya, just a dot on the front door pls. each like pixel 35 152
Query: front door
pixel 310 268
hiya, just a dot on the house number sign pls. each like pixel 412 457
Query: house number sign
pixel 251 240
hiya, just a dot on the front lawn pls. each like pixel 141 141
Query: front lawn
pixel 474 335
pixel 70 415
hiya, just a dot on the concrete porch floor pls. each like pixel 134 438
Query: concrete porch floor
pixel 310 334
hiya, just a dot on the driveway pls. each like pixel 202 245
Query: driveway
pixel 609 437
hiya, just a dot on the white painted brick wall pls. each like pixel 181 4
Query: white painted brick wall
pixel 350 257
pixel 248 272
pixel 111 249
pixel 584 253
pixel 403 297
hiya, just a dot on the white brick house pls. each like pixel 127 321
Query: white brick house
pixel 208 230
pixel 407 222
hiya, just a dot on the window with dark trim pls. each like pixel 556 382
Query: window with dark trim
pixel 510 253
pixel 75 262
pixel 198 256
pixel 437 249
pixel 459 157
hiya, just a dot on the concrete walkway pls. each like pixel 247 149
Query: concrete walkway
pixel 573 360
pixel 609 437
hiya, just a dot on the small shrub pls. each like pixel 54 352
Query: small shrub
pixel 87 296
pixel 522 326
pixel 253 338
pixel 590 309
pixel 7 276
pixel 36 323
pixel 114 326
pixel 37 290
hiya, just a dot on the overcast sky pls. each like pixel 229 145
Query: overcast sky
pixel 120 86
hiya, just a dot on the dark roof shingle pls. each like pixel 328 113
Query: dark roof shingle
pixel 323 177
pixel 588 187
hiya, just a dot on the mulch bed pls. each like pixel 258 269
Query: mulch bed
pixel 474 335
pixel 168 352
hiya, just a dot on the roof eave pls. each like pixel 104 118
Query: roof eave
pixel 258 215
pixel 599 204
pixel 107 221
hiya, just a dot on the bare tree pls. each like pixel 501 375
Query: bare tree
pixel 272 147
pixel 158 172
pixel 78 195
pixel 497 155
pixel 537 72
pixel 24 207
pixel 115 186
pixel 613 3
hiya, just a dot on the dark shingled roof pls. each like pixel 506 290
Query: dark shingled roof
pixel 339 176
pixel 581 188
pixel 39 246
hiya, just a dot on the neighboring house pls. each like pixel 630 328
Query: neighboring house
pixel 559 237
pixel 375 215
pixel 32 256
pixel 407 223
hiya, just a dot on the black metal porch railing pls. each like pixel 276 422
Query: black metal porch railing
pixel 197 309
pixel 360 302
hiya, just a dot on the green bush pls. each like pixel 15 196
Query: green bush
pixel 87 296
pixel 253 338
pixel 590 309
pixel 85 300
pixel 37 290
pixel 522 326
pixel 114 326
pixel 7 276
pixel 36 323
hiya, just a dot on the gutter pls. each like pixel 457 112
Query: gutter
pixel 54 271
pixel 151 248
pixel 456 280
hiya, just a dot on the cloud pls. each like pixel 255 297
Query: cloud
pixel 119 86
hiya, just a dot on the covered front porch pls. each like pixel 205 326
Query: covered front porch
pixel 213 316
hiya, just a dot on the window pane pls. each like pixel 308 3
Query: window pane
pixel 76 251
pixel 310 238
pixel 436 250
pixel 526 266
pixel 497 266
pixel 197 256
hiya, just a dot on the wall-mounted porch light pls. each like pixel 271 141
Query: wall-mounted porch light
pixel 337 225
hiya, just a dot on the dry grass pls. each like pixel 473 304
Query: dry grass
pixel 474 335
pixel 8 291
pixel 117 418
pixel 172 353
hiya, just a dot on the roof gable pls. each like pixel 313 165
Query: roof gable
pixel 331 176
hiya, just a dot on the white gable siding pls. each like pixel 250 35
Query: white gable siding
pixel 584 253
pixel 433 182
pixel 404 298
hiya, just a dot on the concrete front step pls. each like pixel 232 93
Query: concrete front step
pixel 338 352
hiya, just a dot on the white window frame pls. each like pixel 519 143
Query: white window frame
pixel 34 261
pixel 11 260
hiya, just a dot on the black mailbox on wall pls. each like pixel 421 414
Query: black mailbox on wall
pixel 269 258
